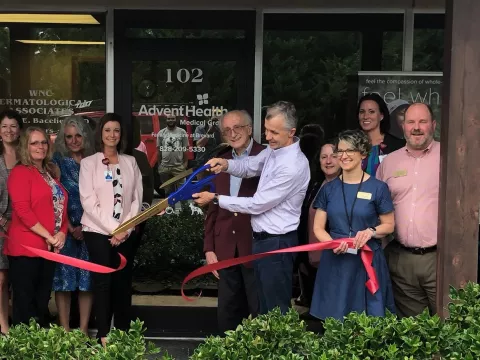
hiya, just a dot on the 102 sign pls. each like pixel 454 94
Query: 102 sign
pixel 184 75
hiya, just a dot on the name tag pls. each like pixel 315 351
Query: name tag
pixel 400 173
pixel 108 175
pixel 364 195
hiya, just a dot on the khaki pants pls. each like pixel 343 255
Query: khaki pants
pixel 414 279
pixel 168 172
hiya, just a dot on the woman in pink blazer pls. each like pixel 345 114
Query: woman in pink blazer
pixel 111 192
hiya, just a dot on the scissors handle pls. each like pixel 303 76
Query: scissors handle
pixel 188 188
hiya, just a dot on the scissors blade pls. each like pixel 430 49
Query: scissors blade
pixel 180 176
pixel 144 215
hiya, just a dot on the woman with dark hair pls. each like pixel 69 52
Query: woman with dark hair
pixel 374 120
pixel 11 124
pixel 324 168
pixel 111 193
pixel 358 206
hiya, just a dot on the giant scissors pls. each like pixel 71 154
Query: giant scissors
pixel 185 192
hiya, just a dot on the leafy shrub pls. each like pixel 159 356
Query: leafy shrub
pixel 367 337
pixel 172 242
pixel 31 342
pixel 267 337
pixel 358 337
pixel 461 333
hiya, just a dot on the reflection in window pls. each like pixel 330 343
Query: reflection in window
pixel 4 62
pixel 48 79
pixel 310 69
pixel 428 46
pixel 146 125
pixel 184 34
pixel 392 52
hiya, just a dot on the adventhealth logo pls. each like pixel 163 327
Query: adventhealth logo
pixel 184 110
pixel 202 99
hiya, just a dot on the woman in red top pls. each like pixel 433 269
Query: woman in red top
pixel 39 220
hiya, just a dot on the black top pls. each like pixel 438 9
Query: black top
pixel 392 143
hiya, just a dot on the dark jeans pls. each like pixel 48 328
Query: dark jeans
pixel 237 296
pixel 31 279
pixel 274 273
pixel 112 292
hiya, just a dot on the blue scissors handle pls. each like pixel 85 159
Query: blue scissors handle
pixel 188 188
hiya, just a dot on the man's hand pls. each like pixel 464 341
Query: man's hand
pixel 217 165
pixel 212 259
pixel 203 198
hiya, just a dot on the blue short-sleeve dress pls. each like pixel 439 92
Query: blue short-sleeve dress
pixel 69 278
pixel 340 281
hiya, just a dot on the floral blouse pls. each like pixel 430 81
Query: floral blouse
pixel 58 200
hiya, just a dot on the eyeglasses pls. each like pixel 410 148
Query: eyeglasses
pixel 39 143
pixel 236 129
pixel 348 152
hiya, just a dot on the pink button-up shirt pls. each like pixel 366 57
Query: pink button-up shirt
pixel 414 185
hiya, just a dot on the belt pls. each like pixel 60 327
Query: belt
pixel 417 250
pixel 265 235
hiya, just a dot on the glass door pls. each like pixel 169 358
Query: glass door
pixel 190 81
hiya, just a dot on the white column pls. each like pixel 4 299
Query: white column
pixel 257 92
pixel 408 28
pixel 109 35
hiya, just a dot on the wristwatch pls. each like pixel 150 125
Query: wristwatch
pixel 374 230
pixel 215 199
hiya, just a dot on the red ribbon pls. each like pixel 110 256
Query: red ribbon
pixel 68 260
pixel 366 255
pixel 81 264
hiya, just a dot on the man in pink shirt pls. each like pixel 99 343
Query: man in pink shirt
pixel 412 174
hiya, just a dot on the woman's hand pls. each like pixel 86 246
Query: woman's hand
pixel 341 249
pixel 55 242
pixel 361 238
pixel 77 233
pixel 60 238
pixel 119 238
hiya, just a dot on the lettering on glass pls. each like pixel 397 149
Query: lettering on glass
pixel 185 75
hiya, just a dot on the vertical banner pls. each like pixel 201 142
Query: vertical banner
pixel 399 89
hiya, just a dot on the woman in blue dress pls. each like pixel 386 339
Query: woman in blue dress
pixel 360 207
pixel 74 142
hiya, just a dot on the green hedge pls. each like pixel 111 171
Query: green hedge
pixel 358 337
pixel 172 243
pixel 31 342
pixel 275 336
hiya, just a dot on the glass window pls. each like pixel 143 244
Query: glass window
pixel 392 52
pixel 184 34
pixel 146 125
pixel 49 72
pixel 428 49
pixel 311 69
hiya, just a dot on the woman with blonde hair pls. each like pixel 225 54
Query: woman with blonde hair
pixel 74 142
pixel 39 220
